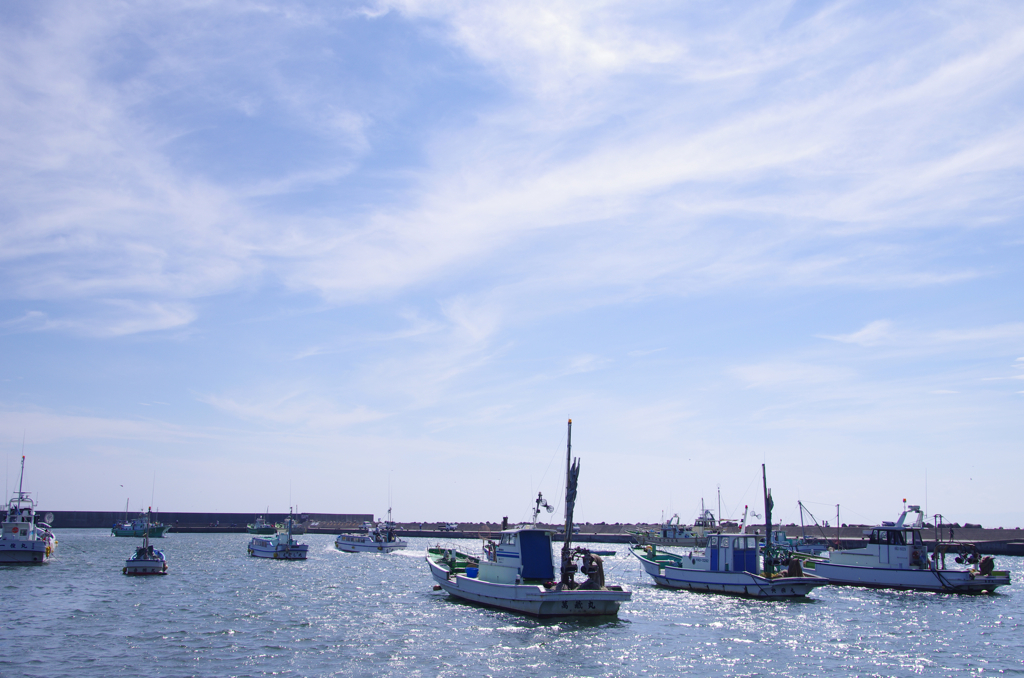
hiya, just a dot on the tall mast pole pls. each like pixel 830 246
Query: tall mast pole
pixel 768 566
pixel 21 481
pixel 568 509
pixel 839 536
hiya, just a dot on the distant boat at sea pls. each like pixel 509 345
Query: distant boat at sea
pixel 261 526
pixel 380 538
pixel 281 546
pixel 25 539
pixel 141 526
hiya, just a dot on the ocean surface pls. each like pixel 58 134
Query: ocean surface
pixel 221 613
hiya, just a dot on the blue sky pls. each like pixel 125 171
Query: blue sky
pixel 271 253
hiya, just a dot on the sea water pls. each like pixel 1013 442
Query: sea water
pixel 222 613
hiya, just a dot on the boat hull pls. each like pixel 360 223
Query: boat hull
pixel 154 531
pixel 370 547
pixel 956 581
pixel 745 584
pixel 140 568
pixel 261 530
pixel 279 552
pixel 24 552
pixel 533 600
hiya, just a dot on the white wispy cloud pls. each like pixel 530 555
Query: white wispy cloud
pixel 885 333
pixel 853 141
pixel 296 408
pixel 773 374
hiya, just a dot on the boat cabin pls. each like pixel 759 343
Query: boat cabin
pixel 520 555
pixel 733 553
pixel 890 545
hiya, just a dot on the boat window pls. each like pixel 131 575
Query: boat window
pixel 873 539
pixel 724 543
pixel 714 541
pixel 896 538
pixel 751 542
pixel 917 539
pixel 737 543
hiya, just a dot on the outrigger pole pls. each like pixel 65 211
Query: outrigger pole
pixel 769 568
pixel 572 473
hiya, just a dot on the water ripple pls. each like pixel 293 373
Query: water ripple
pixel 220 613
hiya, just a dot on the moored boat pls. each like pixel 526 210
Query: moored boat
pixel 518 572
pixel 672 533
pixel 280 546
pixel 25 538
pixel 896 557
pixel 142 526
pixel 146 560
pixel 261 526
pixel 734 564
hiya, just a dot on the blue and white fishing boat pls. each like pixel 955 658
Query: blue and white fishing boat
pixel 25 539
pixel 280 546
pixel 896 557
pixel 518 573
pixel 734 564
pixel 146 560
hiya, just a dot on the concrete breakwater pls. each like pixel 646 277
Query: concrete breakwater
pixel 989 541
pixel 194 522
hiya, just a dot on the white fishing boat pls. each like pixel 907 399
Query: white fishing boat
pixel 25 538
pixel 146 560
pixel 672 533
pixel 896 557
pixel 381 538
pixel 518 572
pixel 280 546
pixel 733 564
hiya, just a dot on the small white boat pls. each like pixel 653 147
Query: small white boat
pixel 25 539
pixel 280 546
pixel 672 533
pixel 733 564
pixel 381 538
pixel 146 560
pixel 518 573
pixel 896 557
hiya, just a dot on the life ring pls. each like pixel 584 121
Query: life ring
pixel 14 530
pixel 915 557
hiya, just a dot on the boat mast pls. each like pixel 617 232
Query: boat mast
pixel 572 473
pixel 803 532
pixel 21 481
pixel 769 568
pixel 839 536
pixel 568 479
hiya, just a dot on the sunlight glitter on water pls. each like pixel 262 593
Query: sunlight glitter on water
pixel 220 613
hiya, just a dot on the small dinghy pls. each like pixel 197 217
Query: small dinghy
pixel 146 559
